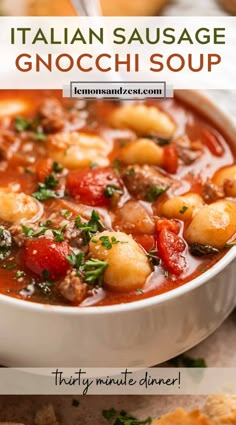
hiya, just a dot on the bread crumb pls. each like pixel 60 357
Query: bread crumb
pixel 221 409
pixel 180 417
pixel 46 416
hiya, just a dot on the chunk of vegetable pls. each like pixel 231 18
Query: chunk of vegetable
pixel 45 256
pixel 182 207
pixel 226 178
pixel 18 207
pixel 128 266
pixel 143 119
pixel 142 151
pixel 170 159
pixel 95 187
pixel 170 249
pixel 213 224
pixel 75 150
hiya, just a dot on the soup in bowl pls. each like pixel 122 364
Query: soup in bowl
pixel 113 208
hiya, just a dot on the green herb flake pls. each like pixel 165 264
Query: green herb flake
pixel 93 165
pixel 40 135
pixel 66 213
pixel 58 234
pixel 93 226
pixel 110 190
pixel 30 233
pixel 166 273
pixel 183 360
pixel 75 403
pixel 107 243
pixel 183 209
pixel 57 168
pixel 123 418
pixel 76 260
pixel 93 270
pixel 154 193
pixel 11 266
pixel 19 274
pixel 22 124
pixel 130 172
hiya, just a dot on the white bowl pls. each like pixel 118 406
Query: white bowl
pixel 138 334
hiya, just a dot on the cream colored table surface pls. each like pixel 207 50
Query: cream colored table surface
pixel 218 350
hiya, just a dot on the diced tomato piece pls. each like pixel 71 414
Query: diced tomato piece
pixel 170 251
pixel 93 187
pixel 45 254
pixel 44 168
pixel 170 159
pixel 169 224
pixel 212 142
pixel 148 242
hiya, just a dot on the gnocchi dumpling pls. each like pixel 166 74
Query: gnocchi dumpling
pixel 18 207
pixel 182 207
pixel 128 266
pixel 226 177
pixel 213 224
pixel 77 149
pixel 142 151
pixel 143 119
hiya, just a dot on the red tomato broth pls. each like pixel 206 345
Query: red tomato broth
pixel 20 172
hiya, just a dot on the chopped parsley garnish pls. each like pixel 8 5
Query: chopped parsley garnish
pixel 76 260
pixel 123 418
pixel 130 171
pixel 58 234
pixel 51 182
pixel 39 135
pixel 183 209
pixel 160 141
pixel 22 124
pixel 152 256
pixel 199 250
pixel 66 213
pixel 93 271
pixel 110 190
pixel 139 291
pixel 106 242
pixel 154 192
pixel 44 192
pixel 46 275
pixel 19 274
pixel 93 226
pixel 57 168
pixel 10 266
pixel 230 244
pixel 93 165
pixel 30 233
pixel 166 273
pixel 186 361
pixel 116 165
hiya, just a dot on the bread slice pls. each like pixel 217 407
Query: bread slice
pixel 221 409
pixel 180 417
pixel 46 416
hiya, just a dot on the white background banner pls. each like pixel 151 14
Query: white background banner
pixel 153 381
pixel 185 52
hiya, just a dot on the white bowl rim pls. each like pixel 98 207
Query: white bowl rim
pixel 146 302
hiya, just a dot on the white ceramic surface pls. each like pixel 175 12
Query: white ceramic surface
pixel 138 334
